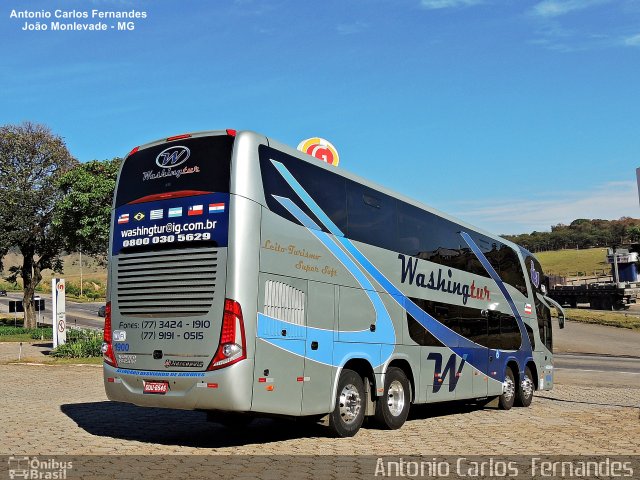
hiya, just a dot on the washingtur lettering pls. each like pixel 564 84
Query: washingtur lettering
pixel 440 281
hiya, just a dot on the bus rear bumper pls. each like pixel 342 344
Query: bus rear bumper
pixel 227 389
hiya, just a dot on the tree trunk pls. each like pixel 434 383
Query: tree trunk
pixel 31 276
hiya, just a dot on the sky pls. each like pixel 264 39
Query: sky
pixel 512 115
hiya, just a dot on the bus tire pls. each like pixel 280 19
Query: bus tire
pixel 392 408
pixel 508 397
pixel 348 414
pixel 524 390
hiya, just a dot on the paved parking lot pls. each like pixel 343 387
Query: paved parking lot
pixel 49 410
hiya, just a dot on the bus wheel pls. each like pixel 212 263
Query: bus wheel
pixel 509 391
pixel 524 391
pixel 348 415
pixel 392 408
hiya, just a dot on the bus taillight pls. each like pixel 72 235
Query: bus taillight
pixel 133 150
pixel 232 346
pixel 107 345
pixel 179 137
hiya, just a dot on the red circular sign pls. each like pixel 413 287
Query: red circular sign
pixel 321 149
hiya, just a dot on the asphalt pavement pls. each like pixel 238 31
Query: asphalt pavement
pixel 78 314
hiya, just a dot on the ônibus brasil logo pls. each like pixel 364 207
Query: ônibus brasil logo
pixel 173 156
pixel 321 149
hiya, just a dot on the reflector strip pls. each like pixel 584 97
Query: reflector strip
pixel 265 380
pixel 212 385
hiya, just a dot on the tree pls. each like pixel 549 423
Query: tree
pixel 32 159
pixel 84 213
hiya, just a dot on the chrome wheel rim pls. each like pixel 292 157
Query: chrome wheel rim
pixel 350 403
pixel 508 388
pixel 527 387
pixel 395 398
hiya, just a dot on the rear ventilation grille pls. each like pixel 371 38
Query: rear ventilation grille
pixel 171 283
pixel 284 302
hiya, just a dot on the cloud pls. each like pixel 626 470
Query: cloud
pixel 440 4
pixel 556 8
pixel 608 201
pixel 633 41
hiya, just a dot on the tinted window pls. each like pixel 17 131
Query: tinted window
pixel 200 164
pixel 531 336
pixel 537 279
pixel 504 260
pixel 371 216
pixel 544 324
pixel 327 189
pixel 421 335
pixel 424 235
pixel 463 320
pixel 504 333
pixel 510 333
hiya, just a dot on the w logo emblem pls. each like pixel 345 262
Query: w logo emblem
pixel 440 375
pixel 173 156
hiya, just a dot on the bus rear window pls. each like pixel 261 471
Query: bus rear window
pixel 201 164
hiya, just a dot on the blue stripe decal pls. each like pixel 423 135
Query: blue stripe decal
pixel 380 343
pixel 498 281
pixel 306 198
pixel 457 343
pixel 297 212
pixel 328 352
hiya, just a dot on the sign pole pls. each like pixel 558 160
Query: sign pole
pixel 58 311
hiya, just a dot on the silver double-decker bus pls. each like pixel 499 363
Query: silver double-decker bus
pixel 247 278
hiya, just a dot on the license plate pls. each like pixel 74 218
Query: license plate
pixel 155 387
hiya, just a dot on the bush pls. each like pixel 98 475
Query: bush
pixel 36 333
pixel 81 343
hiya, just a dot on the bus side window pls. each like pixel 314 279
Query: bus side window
pixel 544 324
pixel 532 338
pixel 371 216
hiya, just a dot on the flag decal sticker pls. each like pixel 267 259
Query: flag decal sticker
pixel 527 309
pixel 156 214
pixel 195 210
pixel 216 207
pixel 123 218
pixel 175 212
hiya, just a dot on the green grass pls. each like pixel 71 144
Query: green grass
pixel 611 319
pixel 570 262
